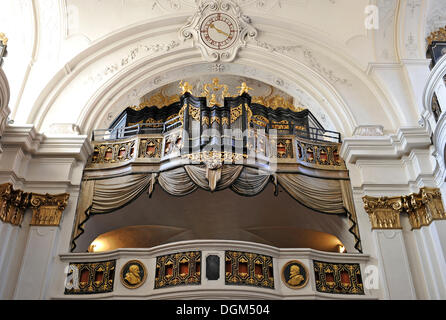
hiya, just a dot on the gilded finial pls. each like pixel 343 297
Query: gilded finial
pixel 185 87
pixel 3 38
pixel 244 88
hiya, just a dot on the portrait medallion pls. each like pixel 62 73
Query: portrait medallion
pixel 295 274
pixel 133 274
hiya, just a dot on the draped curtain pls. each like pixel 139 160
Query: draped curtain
pixel 322 195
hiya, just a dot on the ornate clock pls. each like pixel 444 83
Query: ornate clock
pixel 218 31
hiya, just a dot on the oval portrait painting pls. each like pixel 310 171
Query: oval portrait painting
pixel 133 274
pixel 295 274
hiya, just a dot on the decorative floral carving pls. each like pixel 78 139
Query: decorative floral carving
pixel 309 57
pixel 369 131
pixel 280 49
pixel 217 67
pixel 327 73
pixel 133 54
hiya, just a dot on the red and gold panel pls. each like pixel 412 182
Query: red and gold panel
pixel 176 269
pixel 150 148
pixel 90 278
pixel 338 278
pixel 251 269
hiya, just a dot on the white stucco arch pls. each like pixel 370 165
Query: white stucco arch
pixel 343 103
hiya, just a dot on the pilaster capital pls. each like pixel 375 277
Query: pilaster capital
pixel 425 207
pixel 47 209
pixel 422 208
pixel 13 204
pixel 384 212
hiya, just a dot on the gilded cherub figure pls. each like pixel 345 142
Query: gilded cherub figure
pixel 244 88
pixel 185 87
pixel 213 101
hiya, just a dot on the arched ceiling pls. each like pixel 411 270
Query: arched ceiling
pixel 81 61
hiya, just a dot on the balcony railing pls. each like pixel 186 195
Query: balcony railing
pixel 313 134
pixel 131 131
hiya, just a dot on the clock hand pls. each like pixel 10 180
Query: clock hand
pixel 218 30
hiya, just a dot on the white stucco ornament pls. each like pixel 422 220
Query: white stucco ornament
pixel 219 29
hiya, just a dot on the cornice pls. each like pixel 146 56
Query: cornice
pixel 36 144
pixel 372 66
pixel 23 136
pixel 384 147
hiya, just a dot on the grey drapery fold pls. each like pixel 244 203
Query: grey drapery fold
pixel 106 195
pixel 176 182
pixel 250 182
pixel 84 202
pixel 349 204
pixel 228 175
pixel 111 194
pixel 103 196
pixel 319 194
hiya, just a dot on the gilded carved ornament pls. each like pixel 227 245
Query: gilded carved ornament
pixel 13 204
pixel 3 39
pixel 215 92
pixel 185 87
pixel 422 208
pixel 438 35
pixel 47 209
pixel 384 212
pixel 277 101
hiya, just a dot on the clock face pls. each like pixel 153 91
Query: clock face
pixel 218 31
